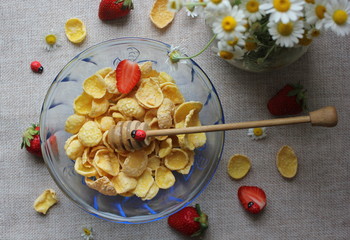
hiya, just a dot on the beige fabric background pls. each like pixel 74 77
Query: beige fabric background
pixel 314 205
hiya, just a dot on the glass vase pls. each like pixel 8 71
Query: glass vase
pixel 268 59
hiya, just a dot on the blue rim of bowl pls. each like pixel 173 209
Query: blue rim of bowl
pixel 104 215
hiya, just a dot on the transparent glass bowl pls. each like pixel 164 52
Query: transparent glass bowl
pixel 58 105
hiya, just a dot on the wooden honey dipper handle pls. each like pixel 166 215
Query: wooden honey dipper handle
pixel 122 136
pixel 326 117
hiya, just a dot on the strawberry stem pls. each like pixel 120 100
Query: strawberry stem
pixel 29 135
pixel 202 220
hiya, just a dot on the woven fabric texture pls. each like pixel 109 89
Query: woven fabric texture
pixel 313 205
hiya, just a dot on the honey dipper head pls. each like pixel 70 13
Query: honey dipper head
pixel 120 136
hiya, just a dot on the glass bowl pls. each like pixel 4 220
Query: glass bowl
pixel 58 105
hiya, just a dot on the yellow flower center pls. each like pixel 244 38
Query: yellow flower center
pixel 285 29
pixel 320 10
pixel 282 5
pixel 216 1
pixel 233 42
pixel 258 132
pixel 252 6
pixel 87 231
pixel 340 17
pixel 250 45
pixel 226 55
pixel 173 5
pixel 310 1
pixel 229 23
pixel 50 39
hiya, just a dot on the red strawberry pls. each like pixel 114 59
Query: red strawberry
pixel 31 140
pixel 290 100
pixel 113 9
pixel 189 221
pixel 128 74
pixel 252 198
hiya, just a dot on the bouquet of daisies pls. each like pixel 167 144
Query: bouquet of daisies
pixel 254 33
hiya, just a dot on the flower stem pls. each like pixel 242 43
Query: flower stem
pixel 201 51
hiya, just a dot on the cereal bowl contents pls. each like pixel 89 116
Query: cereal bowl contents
pixel 130 185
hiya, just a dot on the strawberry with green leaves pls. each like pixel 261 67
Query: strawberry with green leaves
pixel 252 198
pixel 113 9
pixel 31 140
pixel 190 221
pixel 290 100
pixel 128 74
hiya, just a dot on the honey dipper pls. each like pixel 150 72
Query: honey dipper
pixel 134 135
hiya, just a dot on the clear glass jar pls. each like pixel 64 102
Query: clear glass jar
pixel 268 59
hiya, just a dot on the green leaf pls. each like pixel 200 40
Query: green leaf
pixel 293 92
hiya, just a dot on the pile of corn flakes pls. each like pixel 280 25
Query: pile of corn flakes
pixel 157 101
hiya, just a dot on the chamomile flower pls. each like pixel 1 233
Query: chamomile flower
pixel 174 5
pixel 252 10
pixel 337 17
pixel 313 33
pixel 283 10
pixel 237 41
pixel 228 52
pixel 174 57
pixel 194 9
pixel 257 133
pixel 229 25
pixel 218 5
pixel 286 34
pixel 315 13
pixel 87 234
pixel 51 41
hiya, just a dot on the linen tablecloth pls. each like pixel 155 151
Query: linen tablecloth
pixel 313 205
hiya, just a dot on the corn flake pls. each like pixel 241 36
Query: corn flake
pixel 107 161
pixel 177 159
pixel 164 77
pixel 111 82
pixel 164 178
pixel 171 91
pixel 104 71
pixel 82 104
pixel 74 123
pixel 103 185
pixel 149 94
pixel 153 162
pixel 144 183
pixel 187 169
pixel 287 162
pixel 86 169
pixel 152 192
pixel 98 107
pixel 150 115
pixel 90 134
pixel 45 201
pixel 238 166
pixel 147 70
pixel 95 86
pixel 106 122
pixel 123 183
pixel 74 149
pixel 160 15
pixel 165 147
pixel 184 109
pixel 130 108
pixel 165 113
pixel 135 163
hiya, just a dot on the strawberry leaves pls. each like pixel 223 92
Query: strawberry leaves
pixel 300 93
